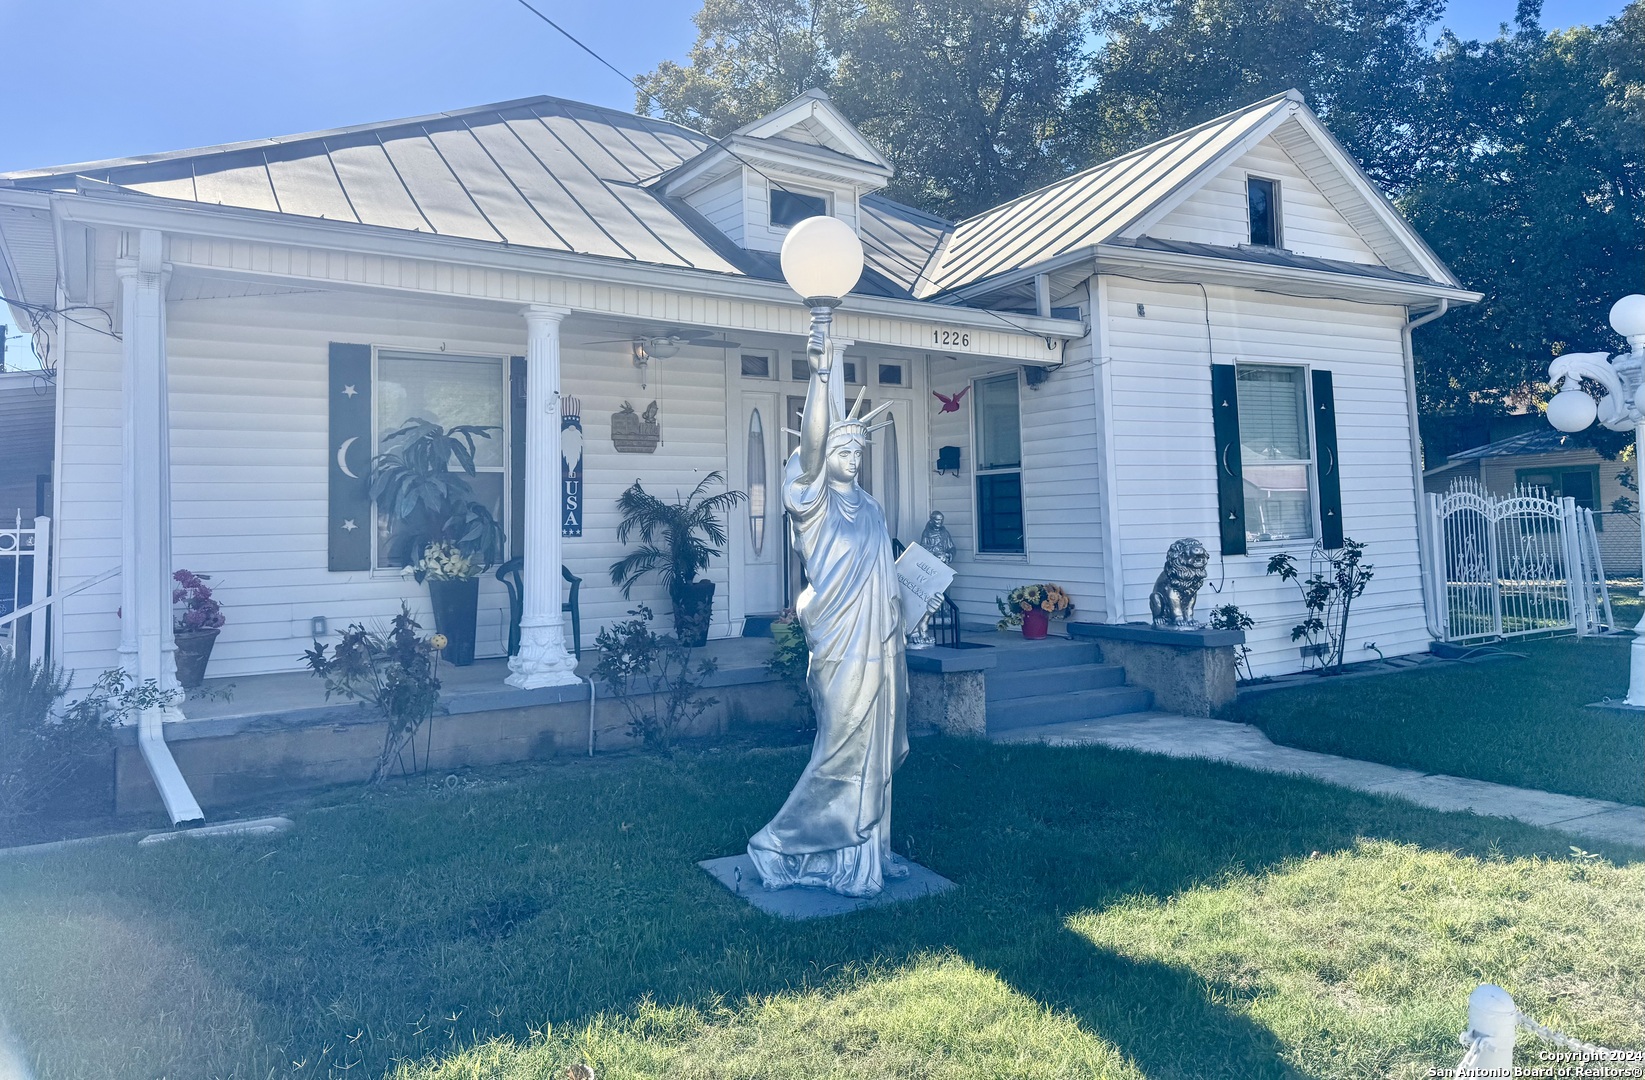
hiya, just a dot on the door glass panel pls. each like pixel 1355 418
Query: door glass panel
pixel 756 483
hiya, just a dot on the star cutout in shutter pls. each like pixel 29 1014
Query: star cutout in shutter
pixel 348 525
pixel 349 391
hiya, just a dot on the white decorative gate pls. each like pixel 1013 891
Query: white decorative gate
pixel 1515 564
pixel 23 582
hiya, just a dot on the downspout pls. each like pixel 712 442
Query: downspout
pixel 1425 542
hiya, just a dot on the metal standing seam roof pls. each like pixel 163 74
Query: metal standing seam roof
pixel 541 173
pixel 1546 441
pixel 1090 207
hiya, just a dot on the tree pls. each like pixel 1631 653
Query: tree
pixel 963 96
pixel 1535 195
pixel 1167 65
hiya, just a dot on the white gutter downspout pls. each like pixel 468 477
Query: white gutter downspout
pixel 1425 542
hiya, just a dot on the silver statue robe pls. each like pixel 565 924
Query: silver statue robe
pixel 834 830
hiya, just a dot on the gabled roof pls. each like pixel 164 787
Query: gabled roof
pixel 1119 199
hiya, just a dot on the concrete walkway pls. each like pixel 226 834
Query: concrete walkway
pixel 1244 745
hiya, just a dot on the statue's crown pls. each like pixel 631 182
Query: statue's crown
pixel 855 426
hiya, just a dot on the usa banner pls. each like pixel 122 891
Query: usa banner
pixel 571 467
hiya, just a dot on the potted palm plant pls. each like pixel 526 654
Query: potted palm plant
pixel 677 542
pixel 437 531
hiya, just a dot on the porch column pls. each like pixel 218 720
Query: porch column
pixel 543 659
pixel 837 389
pixel 147 649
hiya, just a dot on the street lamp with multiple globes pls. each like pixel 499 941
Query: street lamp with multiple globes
pixel 1623 407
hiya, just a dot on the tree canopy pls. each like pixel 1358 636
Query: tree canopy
pixel 1520 159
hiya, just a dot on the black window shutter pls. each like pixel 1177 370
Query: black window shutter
pixel 350 522
pixel 516 456
pixel 1230 472
pixel 1330 480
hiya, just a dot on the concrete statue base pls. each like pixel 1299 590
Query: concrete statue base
pixel 737 873
pixel 1190 671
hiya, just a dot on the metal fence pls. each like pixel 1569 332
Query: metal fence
pixel 1521 563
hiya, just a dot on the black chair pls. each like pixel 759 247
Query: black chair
pixel 509 575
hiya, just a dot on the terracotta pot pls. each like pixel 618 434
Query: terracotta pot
pixel 1035 624
pixel 456 609
pixel 193 654
pixel 693 611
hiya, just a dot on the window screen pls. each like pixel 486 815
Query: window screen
pixel 790 207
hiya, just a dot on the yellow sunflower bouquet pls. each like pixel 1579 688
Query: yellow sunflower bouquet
pixel 1051 599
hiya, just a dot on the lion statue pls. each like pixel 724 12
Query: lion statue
pixel 1178 585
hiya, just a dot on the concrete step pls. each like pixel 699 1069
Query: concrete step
pixel 1062 708
pixel 1015 685
pixel 1049 653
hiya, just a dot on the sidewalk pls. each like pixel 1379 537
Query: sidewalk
pixel 1244 745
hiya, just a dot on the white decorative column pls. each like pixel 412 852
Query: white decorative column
pixel 543 659
pixel 842 395
pixel 146 645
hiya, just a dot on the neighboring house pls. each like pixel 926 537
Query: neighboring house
pixel 1545 459
pixel 1208 337
pixel 28 419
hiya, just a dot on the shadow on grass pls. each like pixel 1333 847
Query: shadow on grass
pixel 419 922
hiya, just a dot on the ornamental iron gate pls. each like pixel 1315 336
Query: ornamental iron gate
pixel 1521 563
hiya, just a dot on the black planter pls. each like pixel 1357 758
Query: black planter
pixel 693 611
pixel 456 606
pixel 193 654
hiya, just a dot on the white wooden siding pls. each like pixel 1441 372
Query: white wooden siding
pixel 1062 500
pixel 1164 450
pixel 1309 224
pixel 249 468
pixel 724 204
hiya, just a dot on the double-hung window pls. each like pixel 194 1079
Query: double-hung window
pixel 1276 451
pixel 449 391
pixel 999 465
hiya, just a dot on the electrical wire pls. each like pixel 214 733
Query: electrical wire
pixel 918 271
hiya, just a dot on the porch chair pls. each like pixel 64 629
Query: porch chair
pixel 509 575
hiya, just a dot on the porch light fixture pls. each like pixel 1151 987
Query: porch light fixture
pixel 1572 409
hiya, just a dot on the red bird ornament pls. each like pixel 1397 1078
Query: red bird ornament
pixel 950 404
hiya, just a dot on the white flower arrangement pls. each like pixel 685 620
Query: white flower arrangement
pixel 443 561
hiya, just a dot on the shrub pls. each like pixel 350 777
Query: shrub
pixel 1335 580
pixel 791 659
pixel 397 673
pixel 653 676
pixel 1231 617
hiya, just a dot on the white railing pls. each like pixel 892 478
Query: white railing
pixel 25 557
pixel 1522 563
pixel 1493 1024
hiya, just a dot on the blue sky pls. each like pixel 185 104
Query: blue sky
pixel 89 79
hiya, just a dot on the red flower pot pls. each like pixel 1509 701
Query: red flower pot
pixel 1035 624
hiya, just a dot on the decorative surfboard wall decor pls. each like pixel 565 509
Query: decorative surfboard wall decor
pixel 756 482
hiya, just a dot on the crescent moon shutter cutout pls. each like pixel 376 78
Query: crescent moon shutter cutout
pixel 1325 454
pixel 349 520
pixel 1230 471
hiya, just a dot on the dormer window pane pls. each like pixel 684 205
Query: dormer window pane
pixel 1262 198
pixel 789 208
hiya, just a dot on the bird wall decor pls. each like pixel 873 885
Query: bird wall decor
pixel 950 404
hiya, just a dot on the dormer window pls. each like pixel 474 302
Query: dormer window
pixel 1262 202
pixel 789 208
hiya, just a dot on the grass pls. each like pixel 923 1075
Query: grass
pixel 1523 722
pixel 1119 917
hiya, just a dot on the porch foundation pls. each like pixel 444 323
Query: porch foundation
pixel 1191 672
pixel 947 691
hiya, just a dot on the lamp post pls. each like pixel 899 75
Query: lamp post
pixel 822 260
pixel 1623 407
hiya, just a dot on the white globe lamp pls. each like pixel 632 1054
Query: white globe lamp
pixel 1628 316
pixel 822 259
pixel 1572 410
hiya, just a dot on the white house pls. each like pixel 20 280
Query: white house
pixel 1208 337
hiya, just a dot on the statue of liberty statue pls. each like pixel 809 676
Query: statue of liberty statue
pixel 834 831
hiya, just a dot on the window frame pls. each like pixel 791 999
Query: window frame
pixel 771 190
pixel 504 437
pixel 772 360
pixel 978 471
pixel 1276 211
pixel 1253 540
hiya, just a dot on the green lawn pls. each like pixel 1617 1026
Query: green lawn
pixel 1118 916
pixel 1522 722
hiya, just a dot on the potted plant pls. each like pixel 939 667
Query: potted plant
pixel 437 531
pixel 196 620
pixel 1032 607
pixel 677 541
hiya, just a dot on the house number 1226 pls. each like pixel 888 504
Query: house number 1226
pixel 950 337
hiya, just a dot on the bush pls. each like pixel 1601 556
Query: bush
pixel 791 659
pixel 1335 580
pixel 653 676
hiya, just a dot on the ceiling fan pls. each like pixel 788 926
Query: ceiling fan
pixel 662 346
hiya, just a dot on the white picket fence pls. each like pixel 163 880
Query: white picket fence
pixel 1514 564
pixel 24 567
